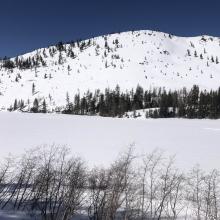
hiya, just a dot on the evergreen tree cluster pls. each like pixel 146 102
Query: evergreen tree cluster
pixel 212 59
pixel 161 103
pixel 39 58
pixel 22 63
pixel 158 103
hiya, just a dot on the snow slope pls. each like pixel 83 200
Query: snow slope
pixel 99 140
pixel 151 59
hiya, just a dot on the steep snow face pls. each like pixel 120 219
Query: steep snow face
pixel 150 59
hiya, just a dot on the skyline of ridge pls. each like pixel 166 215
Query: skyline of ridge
pixel 28 25
pixel 74 40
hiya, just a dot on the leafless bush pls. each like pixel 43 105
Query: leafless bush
pixel 161 187
pixel 111 189
pixel 50 183
pixel 59 186
pixel 204 193
pixel 45 181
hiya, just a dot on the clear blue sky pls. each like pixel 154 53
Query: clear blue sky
pixel 30 24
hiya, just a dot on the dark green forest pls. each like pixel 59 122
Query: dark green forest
pixel 194 103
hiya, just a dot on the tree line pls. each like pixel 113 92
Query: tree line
pixel 50 184
pixel 159 103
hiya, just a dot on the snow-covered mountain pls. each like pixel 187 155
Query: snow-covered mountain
pixel 148 58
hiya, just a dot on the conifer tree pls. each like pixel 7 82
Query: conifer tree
pixel 35 108
pixel 44 107
pixel 33 89
pixel 15 105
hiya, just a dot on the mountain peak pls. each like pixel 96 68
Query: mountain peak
pixel 148 58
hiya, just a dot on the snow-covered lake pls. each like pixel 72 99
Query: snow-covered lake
pixel 99 140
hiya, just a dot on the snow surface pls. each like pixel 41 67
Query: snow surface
pixel 148 58
pixel 99 140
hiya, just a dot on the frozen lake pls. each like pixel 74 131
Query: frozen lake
pixel 99 140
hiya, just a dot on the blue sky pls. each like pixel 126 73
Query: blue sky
pixel 28 24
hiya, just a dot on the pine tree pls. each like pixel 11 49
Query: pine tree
pixel 33 89
pixel 192 102
pixel 35 108
pixel 188 53
pixel 203 103
pixel 68 69
pixel 76 109
pixel 21 104
pixel 60 46
pixel 164 106
pixel 44 107
pixel 15 105
pixel 138 98
pixel 60 59
pixel 195 54
pixel 155 114
pixel 101 106
pixel 213 111
pixel 69 106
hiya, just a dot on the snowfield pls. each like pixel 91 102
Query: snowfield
pixel 148 58
pixel 99 140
